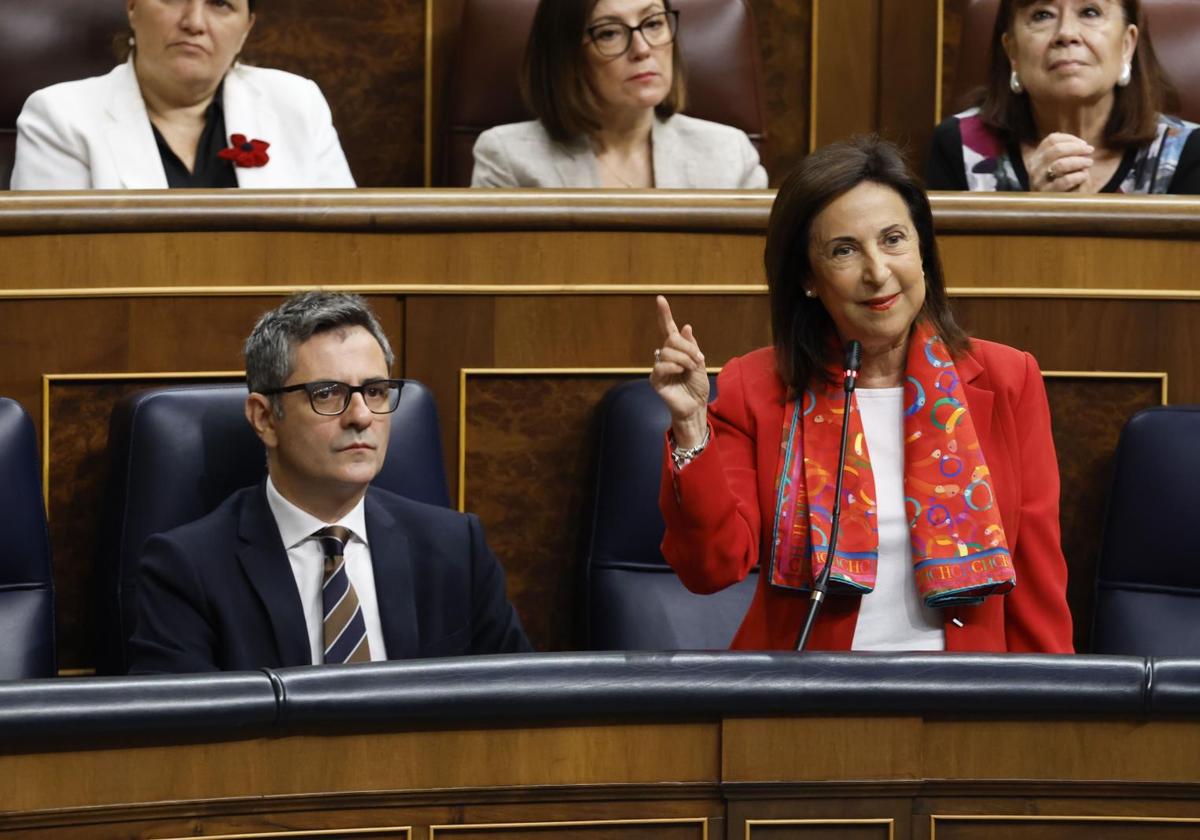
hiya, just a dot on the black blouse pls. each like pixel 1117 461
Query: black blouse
pixel 211 172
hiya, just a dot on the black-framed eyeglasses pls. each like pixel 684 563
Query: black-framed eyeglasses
pixel 332 398
pixel 613 38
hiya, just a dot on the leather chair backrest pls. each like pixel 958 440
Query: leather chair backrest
pixel 1174 26
pixel 46 42
pixel 178 452
pixel 717 38
pixel 1148 578
pixel 633 600
pixel 26 584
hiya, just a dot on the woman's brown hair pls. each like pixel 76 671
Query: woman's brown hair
pixel 554 73
pixel 806 344
pixel 1134 117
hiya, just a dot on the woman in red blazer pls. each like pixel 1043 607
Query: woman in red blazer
pixel 949 532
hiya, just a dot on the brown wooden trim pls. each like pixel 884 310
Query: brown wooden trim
pixel 1141 216
pixel 398 211
pixel 359 801
pixel 383 211
pixel 936 788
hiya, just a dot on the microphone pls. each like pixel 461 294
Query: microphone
pixel 821 584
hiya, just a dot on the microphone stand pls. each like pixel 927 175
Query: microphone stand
pixel 821 584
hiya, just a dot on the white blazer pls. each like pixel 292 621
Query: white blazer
pixel 689 153
pixel 95 134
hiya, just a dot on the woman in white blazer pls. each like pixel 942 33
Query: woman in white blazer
pixel 181 112
pixel 606 81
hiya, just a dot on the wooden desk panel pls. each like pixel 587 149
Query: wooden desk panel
pixel 732 777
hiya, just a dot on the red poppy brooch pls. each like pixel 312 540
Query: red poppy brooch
pixel 243 152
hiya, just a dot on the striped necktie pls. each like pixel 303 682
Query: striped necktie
pixel 345 629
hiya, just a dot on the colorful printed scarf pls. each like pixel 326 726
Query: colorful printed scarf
pixel 958 548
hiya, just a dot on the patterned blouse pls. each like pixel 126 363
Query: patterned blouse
pixel 967 155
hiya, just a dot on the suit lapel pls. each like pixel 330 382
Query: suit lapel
pixel 249 112
pixel 670 164
pixel 265 562
pixel 129 136
pixel 576 165
pixel 979 397
pixel 391 562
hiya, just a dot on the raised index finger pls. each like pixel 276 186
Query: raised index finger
pixel 666 323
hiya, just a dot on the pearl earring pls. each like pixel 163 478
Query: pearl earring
pixel 809 293
pixel 1014 84
pixel 1126 75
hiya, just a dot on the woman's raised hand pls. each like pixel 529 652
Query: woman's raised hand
pixel 680 379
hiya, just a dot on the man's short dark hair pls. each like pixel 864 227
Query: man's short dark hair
pixel 270 350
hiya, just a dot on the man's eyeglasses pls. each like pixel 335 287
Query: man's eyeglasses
pixel 613 38
pixel 332 398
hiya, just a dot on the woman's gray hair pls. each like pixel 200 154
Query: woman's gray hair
pixel 271 348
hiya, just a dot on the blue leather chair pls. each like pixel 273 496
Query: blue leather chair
pixel 1148 578
pixel 26 584
pixel 178 452
pixel 633 600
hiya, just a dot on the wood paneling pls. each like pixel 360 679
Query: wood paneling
pixel 875 70
pixel 813 749
pixel 606 830
pixel 908 74
pixel 545 426
pixel 376 814
pixel 1060 828
pixel 824 829
pixel 368 57
pixel 785 36
pixel 846 81
pixel 533 755
pixel 735 777
pixel 952 21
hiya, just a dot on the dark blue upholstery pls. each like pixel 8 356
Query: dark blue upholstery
pixel 26 585
pixel 633 599
pixel 178 452
pixel 1148 580
pixel 559 687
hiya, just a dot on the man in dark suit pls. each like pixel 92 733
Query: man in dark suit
pixel 313 565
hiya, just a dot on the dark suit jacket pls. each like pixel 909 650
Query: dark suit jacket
pixel 219 593
pixel 719 510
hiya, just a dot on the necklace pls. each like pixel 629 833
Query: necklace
pixel 614 173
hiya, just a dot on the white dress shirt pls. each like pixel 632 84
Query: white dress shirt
pixel 893 617
pixel 296 528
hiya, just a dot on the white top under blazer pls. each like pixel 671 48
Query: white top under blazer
pixel 95 134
